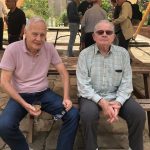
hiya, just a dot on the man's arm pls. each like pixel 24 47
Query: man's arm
pixel 65 78
pixel 85 88
pixel 22 18
pixel 6 77
pixel 125 89
pixel 22 31
pixel 124 14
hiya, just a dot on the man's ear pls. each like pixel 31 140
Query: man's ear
pixel 93 35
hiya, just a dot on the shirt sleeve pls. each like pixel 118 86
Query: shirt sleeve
pixel 8 60
pixel 55 58
pixel 23 18
pixel 124 13
pixel 126 87
pixel 84 80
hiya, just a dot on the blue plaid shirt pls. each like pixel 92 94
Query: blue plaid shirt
pixel 108 77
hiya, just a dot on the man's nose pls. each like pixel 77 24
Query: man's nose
pixel 38 37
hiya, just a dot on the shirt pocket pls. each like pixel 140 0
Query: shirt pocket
pixel 117 76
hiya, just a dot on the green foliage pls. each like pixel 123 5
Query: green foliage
pixel 106 5
pixel 63 18
pixel 36 7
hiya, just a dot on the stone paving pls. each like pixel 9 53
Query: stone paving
pixel 110 137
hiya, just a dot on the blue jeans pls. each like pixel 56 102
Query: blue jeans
pixel 52 104
pixel 74 28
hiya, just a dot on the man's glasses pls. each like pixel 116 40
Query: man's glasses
pixel 101 32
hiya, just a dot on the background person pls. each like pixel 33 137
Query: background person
pixel 91 17
pixel 74 20
pixel 124 25
pixel 104 81
pixel 16 21
pixel 24 77
pixel 83 6
pixel 3 13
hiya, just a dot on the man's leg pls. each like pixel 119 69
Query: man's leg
pixel 74 27
pixel 122 41
pixel 52 103
pixel 135 117
pixel 9 126
pixel 89 113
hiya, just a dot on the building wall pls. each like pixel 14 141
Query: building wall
pixel 58 5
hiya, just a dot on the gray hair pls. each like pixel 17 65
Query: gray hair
pixel 35 20
pixel 104 21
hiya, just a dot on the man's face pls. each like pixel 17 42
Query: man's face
pixel 10 4
pixel 104 34
pixel 35 36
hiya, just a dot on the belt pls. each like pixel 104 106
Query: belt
pixel 36 93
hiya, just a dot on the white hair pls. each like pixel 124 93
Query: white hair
pixel 104 21
pixel 34 20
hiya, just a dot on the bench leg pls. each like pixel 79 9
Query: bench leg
pixel 146 86
pixel 146 78
pixel 30 130
pixel 148 119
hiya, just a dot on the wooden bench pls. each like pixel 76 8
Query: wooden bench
pixel 145 103
pixel 139 44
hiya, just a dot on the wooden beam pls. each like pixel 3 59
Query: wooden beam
pixel 142 21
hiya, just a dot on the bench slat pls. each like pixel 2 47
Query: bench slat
pixel 146 107
pixel 143 101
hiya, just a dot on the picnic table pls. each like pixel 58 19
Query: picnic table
pixel 59 30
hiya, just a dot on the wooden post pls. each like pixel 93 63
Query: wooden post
pixel 142 21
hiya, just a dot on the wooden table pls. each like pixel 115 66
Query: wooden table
pixel 58 30
pixel 69 62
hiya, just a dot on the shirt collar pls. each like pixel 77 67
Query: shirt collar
pixel 96 50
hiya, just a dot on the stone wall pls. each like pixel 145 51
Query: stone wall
pixel 107 133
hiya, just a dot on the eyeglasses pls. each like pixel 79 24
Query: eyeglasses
pixel 101 32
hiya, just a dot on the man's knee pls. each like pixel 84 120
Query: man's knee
pixel 5 126
pixel 89 115
pixel 141 116
pixel 73 114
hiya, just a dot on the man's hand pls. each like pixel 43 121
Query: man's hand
pixel 110 109
pixel 116 107
pixel 67 104
pixel 34 111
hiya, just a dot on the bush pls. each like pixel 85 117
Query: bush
pixel 63 18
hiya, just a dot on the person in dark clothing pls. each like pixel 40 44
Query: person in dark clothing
pixel 91 17
pixel 84 5
pixel 2 13
pixel 16 21
pixel 74 20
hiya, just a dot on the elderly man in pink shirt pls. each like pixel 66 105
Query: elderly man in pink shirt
pixel 24 77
